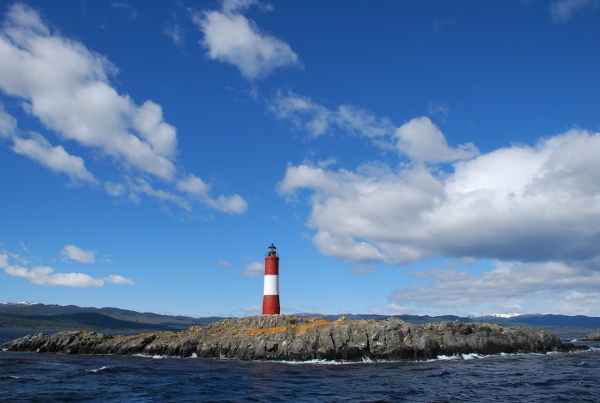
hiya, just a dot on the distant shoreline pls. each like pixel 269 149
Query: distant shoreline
pixel 71 317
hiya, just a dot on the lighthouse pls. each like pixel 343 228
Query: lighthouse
pixel 271 290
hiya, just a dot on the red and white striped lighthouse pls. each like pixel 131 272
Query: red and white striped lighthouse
pixel 271 290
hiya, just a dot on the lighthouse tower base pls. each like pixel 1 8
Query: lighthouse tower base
pixel 271 305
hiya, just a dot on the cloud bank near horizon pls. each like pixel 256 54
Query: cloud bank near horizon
pixel 46 276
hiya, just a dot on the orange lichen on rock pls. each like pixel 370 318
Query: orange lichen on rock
pixel 302 329
pixel 257 331
pixel 493 326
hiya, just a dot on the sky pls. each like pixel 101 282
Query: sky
pixel 405 157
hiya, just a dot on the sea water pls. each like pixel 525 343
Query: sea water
pixel 554 377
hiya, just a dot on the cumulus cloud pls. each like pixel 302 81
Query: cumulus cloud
pixel 522 203
pixel 508 287
pixel 116 279
pixel 195 186
pixel 232 38
pixel 45 276
pixel 307 115
pixel 67 88
pixel 79 255
pixel 423 141
pixel 561 11
pixel 37 148
pixel 56 158
pixel 253 269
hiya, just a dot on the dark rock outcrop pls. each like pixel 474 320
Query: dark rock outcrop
pixel 282 337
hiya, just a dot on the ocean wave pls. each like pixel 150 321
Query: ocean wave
pixel 98 370
pixel 320 361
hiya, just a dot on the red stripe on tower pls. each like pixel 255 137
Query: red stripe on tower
pixel 271 290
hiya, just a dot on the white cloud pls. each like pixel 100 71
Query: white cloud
pixel 359 121
pixel 54 157
pixel 39 149
pixel 116 279
pixel 508 287
pixel 561 11
pixel 148 121
pixel 233 6
pixel 195 186
pixel 79 255
pixel 302 112
pixel 3 260
pixel 142 186
pixel 439 110
pixel 253 269
pixel 8 124
pixel 229 204
pixel 66 86
pixel 316 119
pixel 424 142
pixel 517 203
pixel 45 276
pixel 175 32
pixel 231 38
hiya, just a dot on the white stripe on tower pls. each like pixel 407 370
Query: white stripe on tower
pixel 271 284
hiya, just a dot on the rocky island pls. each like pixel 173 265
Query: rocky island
pixel 281 337
pixel 591 337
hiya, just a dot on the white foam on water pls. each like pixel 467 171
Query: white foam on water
pixel 97 370
pixel 326 362
pixel 446 358
pixel 472 356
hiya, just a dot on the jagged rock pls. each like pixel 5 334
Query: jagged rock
pixel 280 337
pixel 591 337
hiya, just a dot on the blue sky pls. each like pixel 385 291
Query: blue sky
pixel 419 157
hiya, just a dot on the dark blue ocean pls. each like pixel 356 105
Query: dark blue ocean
pixel 556 377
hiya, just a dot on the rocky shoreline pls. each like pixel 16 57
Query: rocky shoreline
pixel 281 337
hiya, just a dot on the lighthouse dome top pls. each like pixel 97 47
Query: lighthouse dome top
pixel 272 250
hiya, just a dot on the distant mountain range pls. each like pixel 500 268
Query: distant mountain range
pixel 30 315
